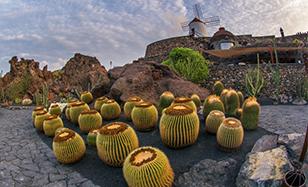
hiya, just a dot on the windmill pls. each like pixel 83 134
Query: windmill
pixel 197 26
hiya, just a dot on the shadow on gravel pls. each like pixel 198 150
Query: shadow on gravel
pixel 181 160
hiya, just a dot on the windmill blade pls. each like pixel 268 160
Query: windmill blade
pixel 197 11
pixel 211 19
pixel 212 23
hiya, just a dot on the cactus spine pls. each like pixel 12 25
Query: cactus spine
pixel 110 110
pixel 51 124
pixel 213 121
pixel 211 103
pixel 99 102
pixel 129 105
pixel 165 100
pixel 218 88
pixel 144 116
pixel 250 113
pixel 89 119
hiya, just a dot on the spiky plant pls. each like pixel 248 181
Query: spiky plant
pixel 230 134
pixel 89 119
pixel 91 138
pixel 54 109
pixel 51 124
pixel 231 102
pixel 39 119
pixel 218 88
pixel 179 126
pixel 212 102
pixel 186 101
pixel 129 105
pixel 213 121
pixel 114 142
pixel 36 110
pixel 110 110
pixel 241 97
pixel 61 129
pixel 99 102
pixel 68 147
pixel 86 97
pixel 239 113
pixel 165 100
pixel 68 106
pixel 76 109
pixel 144 116
pixel 196 100
pixel 148 167
pixel 250 113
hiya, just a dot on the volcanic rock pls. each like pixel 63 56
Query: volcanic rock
pixel 294 143
pixel 265 143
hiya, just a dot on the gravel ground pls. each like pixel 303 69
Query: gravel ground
pixel 27 159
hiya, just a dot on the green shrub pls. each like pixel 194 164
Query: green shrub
pixel 188 63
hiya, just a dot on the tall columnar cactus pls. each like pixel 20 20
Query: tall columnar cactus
pixel 148 167
pixel 37 110
pixel 212 102
pixel 230 134
pixel 250 113
pixel 129 105
pixel 68 106
pixel 231 102
pixel 86 97
pixel 213 121
pixel 39 119
pixel 110 110
pixel 196 100
pixel 186 101
pixel 114 142
pixel 99 102
pixel 179 126
pixel 68 147
pixel 54 109
pixel 144 116
pixel 76 109
pixel 51 124
pixel 89 119
pixel 218 88
pixel 92 135
pixel 165 100
pixel 241 97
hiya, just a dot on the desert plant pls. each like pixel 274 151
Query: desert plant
pixel 89 120
pixel 213 121
pixel 218 87
pixel 18 101
pixel 39 119
pixel 51 124
pixel 148 167
pixel 37 110
pixel 188 63
pixel 231 102
pixel 254 80
pixel 75 110
pixel 212 102
pixel 230 134
pixel 241 97
pixel 179 126
pixel 165 100
pixel 302 88
pixel 41 96
pixel 114 142
pixel 129 105
pixel 68 147
pixel 86 97
pixel 110 110
pixel 18 88
pixel 54 109
pixel 26 102
pixel 144 116
pixel 99 102
pixel 68 106
pixel 196 100
pixel 60 130
pixel 91 137
pixel 186 101
pixel 250 113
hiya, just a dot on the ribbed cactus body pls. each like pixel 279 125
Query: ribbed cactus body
pixel 179 126
pixel 91 137
pixel 68 106
pixel 76 109
pixel 68 147
pixel 230 134
pixel 39 119
pixel 129 105
pixel 241 97
pixel 110 110
pixel 114 142
pixel 213 121
pixel 231 102
pixel 148 167
pixel 218 88
pixel 37 110
pixel 196 100
pixel 165 100
pixel 211 103
pixel 61 129
pixel 86 97
pixel 89 119
pixel 99 102
pixel 54 109
pixel 144 116
pixel 186 101
pixel 51 124
pixel 250 113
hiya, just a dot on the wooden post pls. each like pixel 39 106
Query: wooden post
pixel 304 150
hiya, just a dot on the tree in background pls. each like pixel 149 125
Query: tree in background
pixel 188 63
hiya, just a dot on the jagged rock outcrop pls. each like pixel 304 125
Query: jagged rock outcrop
pixel 148 79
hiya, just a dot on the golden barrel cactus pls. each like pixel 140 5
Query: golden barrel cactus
pixel 212 102
pixel 110 110
pixel 230 134
pixel 186 101
pixel 196 100
pixel 91 137
pixel 114 142
pixel 179 126
pixel 60 129
pixel 231 102
pixel 213 121
pixel 218 88
pixel 148 167
pixel 39 119
pixel 144 116
pixel 241 97
pixel 54 109
pixel 86 97
pixel 68 147
pixel 37 110
pixel 89 119
pixel 129 105
pixel 51 124
pixel 250 113
pixel 165 100
pixel 99 102
pixel 75 110
pixel 68 106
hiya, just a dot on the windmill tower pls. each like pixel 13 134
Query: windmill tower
pixel 197 26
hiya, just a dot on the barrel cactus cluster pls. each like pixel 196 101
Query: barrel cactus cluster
pixel 186 101
pixel 129 106
pixel 51 124
pixel 99 102
pixel 76 109
pixel 144 116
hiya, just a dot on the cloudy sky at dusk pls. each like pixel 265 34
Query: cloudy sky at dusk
pixel 51 31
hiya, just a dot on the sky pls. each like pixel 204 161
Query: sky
pixel 51 31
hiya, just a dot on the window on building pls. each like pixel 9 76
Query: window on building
pixel 226 45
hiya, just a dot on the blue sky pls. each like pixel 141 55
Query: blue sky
pixel 51 31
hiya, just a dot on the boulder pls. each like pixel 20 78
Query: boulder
pixel 148 79
pixel 294 143
pixel 209 173
pixel 264 168
pixel 265 143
